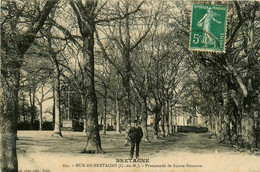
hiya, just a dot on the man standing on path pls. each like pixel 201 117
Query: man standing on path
pixel 135 135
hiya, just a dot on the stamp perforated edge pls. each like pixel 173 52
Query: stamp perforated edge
pixel 225 42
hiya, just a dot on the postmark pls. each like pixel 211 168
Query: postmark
pixel 208 28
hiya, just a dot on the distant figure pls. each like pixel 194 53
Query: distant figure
pixel 135 135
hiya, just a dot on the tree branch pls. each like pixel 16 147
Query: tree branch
pixel 28 37
pixel 106 56
pixel 120 17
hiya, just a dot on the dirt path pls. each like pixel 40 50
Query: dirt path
pixel 113 144
pixel 38 150
pixel 197 143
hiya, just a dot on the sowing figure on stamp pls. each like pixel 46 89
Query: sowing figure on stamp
pixel 208 37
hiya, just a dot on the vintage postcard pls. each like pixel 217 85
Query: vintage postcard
pixel 129 85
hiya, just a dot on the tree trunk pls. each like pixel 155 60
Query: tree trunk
pixel 84 110
pixel 32 104
pixel 93 143
pixel 23 110
pixel 210 126
pixel 167 119
pixel 86 21
pixel 40 117
pixel 162 122
pixel 222 133
pixel 225 118
pixel 248 133
pixel 11 72
pixel 9 116
pixel 237 115
pixel 8 120
pixel 144 121
pixel 249 130
pixel 170 119
pixel 258 127
pixel 156 121
pixel 127 107
pixel 175 122
pixel 127 75
pixel 105 113
pixel 82 102
pixel 127 114
pixel 57 124
pixel 40 104
pixel 53 106
pixel 161 125
pixel 217 125
pixel 250 112
pixel 117 117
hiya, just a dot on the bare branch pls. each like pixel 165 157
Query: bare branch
pixel 120 17
pixel 106 56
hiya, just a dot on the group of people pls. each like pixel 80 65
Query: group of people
pixel 135 135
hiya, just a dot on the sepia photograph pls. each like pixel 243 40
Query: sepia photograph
pixel 130 85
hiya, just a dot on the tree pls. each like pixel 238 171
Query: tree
pixel 14 43
pixel 104 85
pixel 40 101
pixel 34 75
pixel 229 70
pixel 86 21
pixel 132 25
pixel 53 53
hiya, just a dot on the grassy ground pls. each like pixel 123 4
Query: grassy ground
pixel 37 150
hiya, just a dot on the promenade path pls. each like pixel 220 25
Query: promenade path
pixel 37 150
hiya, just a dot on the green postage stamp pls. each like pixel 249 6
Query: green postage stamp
pixel 208 28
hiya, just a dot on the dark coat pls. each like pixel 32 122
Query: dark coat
pixel 135 134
